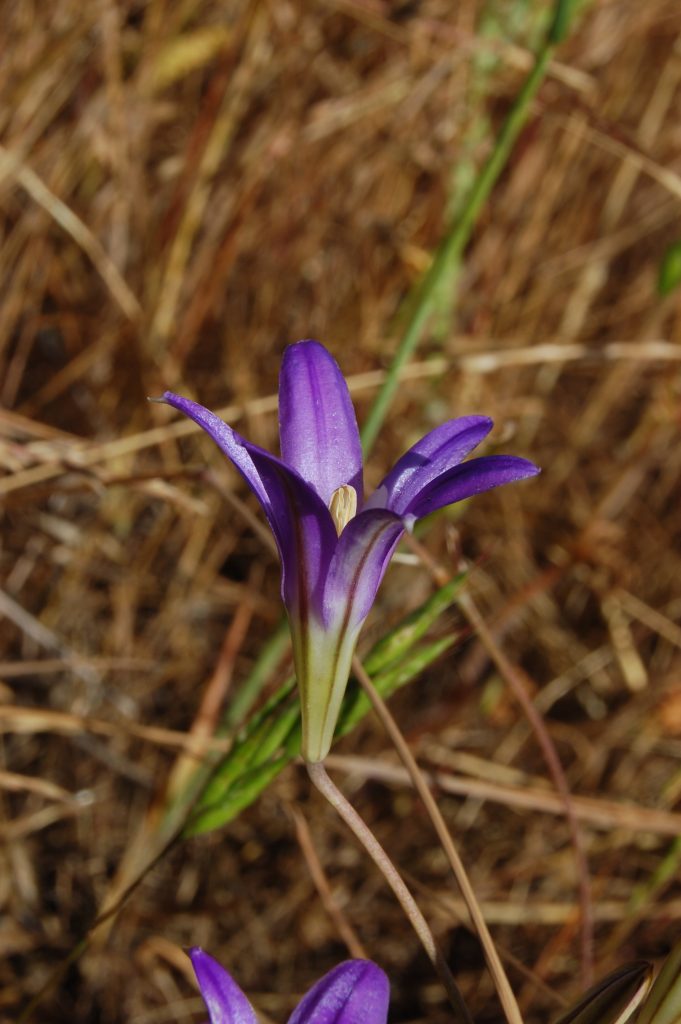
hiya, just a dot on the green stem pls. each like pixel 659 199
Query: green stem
pixel 453 244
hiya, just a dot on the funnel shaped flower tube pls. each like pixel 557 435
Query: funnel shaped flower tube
pixel 354 992
pixel 334 545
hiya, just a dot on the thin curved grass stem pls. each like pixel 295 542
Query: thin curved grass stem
pixel 509 673
pixel 515 683
pixel 347 812
pixel 496 969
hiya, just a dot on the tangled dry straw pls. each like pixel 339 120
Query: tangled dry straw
pixel 185 188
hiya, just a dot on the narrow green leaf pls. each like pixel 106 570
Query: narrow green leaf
pixel 663 1005
pixel 244 791
pixel 669 277
pixel 646 891
pixel 238 784
pixel 271 739
pixel 356 704
pixel 420 304
pixel 563 13
pixel 259 741
pixel 395 644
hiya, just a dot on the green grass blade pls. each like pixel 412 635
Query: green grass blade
pixel 396 643
pixel 663 1005
pixel 613 1000
pixel 446 260
pixel 356 704
pixel 670 270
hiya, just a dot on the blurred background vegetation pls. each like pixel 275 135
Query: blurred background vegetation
pixel 185 188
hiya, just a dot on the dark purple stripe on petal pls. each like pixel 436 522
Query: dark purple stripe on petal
pixel 362 555
pixel 300 521
pixel 317 424
pixel 440 450
pixel 304 530
pixel 471 478
pixel 355 992
pixel 225 1002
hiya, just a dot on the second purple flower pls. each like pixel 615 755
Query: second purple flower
pixel 334 545
pixel 354 992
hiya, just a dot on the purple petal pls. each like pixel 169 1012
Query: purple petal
pixel 225 1002
pixel 300 521
pixel 472 477
pixel 358 564
pixel 317 425
pixel 440 450
pixel 231 443
pixel 304 532
pixel 355 992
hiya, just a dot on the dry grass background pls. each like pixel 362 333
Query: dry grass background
pixel 185 188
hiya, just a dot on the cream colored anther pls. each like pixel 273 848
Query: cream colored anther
pixel 343 506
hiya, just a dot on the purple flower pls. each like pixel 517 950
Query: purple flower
pixel 334 545
pixel 355 992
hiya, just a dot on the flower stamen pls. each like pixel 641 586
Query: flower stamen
pixel 343 506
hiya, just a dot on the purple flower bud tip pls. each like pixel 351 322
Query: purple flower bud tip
pixel 334 545
pixel 354 992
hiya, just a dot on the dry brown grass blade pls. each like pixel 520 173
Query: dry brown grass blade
pixel 314 865
pixel 167 812
pixel 13 166
pixel 513 678
pixel 353 140
pixel 205 724
pixel 231 87
pixel 599 813
pixel 28 825
pixel 80 454
pixel 517 686
pixel 26 721
pixel 494 964
pixel 14 782
pixel 336 799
